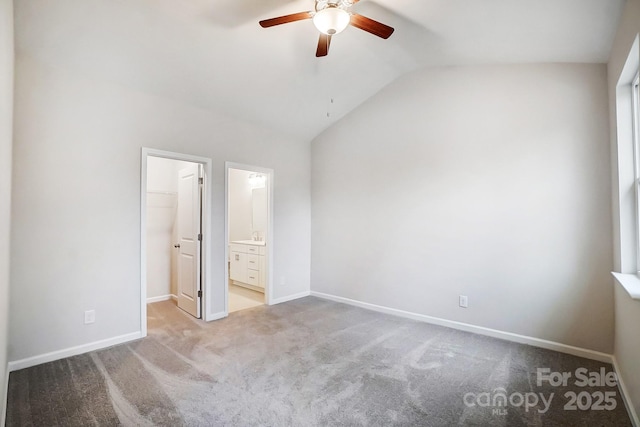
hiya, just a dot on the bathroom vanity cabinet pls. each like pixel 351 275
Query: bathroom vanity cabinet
pixel 247 264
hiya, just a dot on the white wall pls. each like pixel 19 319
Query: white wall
pixel 627 344
pixel 6 125
pixel 239 205
pixel 487 181
pixel 162 188
pixel 76 208
pixel 162 174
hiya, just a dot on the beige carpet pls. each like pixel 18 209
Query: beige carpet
pixel 307 362
pixel 242 298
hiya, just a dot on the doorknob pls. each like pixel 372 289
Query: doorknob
pixel 176 246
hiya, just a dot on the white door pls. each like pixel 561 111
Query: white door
pixel 189 239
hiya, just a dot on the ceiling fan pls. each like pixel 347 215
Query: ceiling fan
pixel 330 18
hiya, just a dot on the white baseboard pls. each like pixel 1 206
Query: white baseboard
pixel 508 336
pixel 71 351
pixel 290 297
pixel 162 298
pixel 625 394
pixel 216 316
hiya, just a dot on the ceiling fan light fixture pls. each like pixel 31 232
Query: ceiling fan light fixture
pixel 331 20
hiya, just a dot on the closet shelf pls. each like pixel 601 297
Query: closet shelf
pixel 163 193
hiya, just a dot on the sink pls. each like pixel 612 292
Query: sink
pixel 250 242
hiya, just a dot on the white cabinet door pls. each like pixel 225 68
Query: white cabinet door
pixel 238 270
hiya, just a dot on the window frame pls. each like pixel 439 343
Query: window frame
pixel 635 109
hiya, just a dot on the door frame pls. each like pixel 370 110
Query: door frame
pixel 268 287
pixel 205 263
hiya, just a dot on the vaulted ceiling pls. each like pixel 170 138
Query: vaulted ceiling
pixel 213 53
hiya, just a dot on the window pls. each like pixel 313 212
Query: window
pixel 626 206
pixel 635 97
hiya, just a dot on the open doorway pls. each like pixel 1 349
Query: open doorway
pixel 249 236
pixel 173 206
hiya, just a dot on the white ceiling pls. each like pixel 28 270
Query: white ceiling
pixel 213 53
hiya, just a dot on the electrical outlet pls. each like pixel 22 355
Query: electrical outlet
pixel 464 301
pixel 89 316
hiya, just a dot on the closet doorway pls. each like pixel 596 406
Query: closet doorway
pixel 249 236
pixel 173 206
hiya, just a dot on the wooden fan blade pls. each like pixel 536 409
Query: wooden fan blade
pixel 285 19
pixel 323 45
pixel 371 26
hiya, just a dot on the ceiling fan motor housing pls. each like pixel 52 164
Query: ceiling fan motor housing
pixel 340 4
pixel 332 16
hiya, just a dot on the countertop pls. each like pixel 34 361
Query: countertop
pixel 250 242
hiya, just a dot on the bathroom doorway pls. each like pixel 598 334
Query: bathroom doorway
pixel 174 210
pixel 248 235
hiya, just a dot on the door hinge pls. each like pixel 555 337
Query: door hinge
pixel 199 294
pixel 200 237
pixel 200 180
